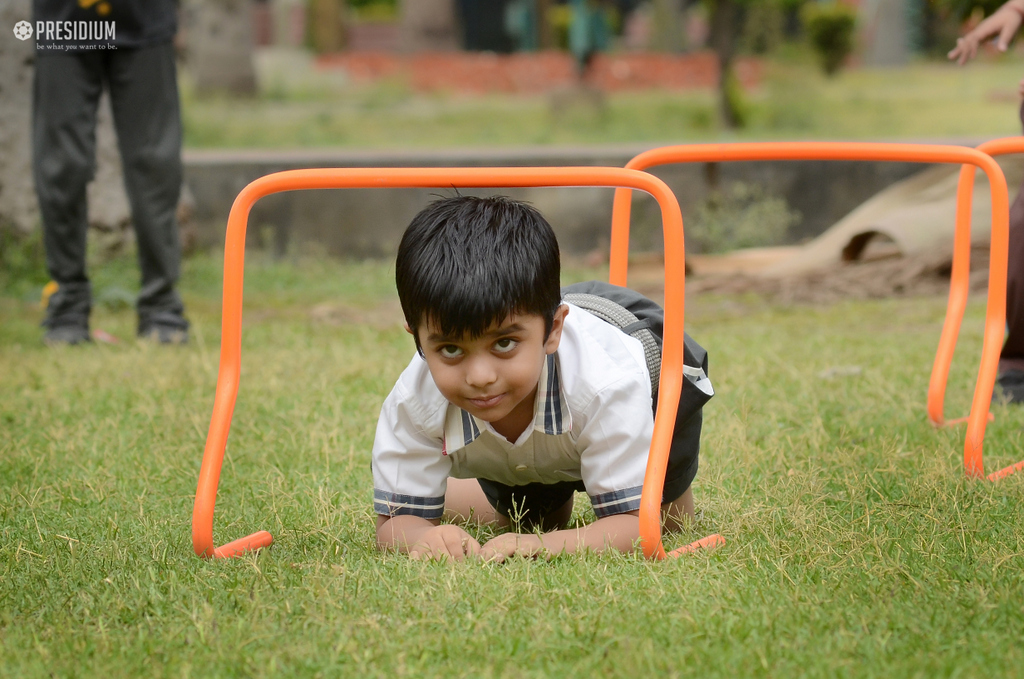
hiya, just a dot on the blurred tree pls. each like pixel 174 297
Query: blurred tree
pixel 939 25
pixel 830 27
pixel 726 24
pixel 941 21
pixel 365 4
pixel 428 25
pixel 545 31
pixel 764 27
pixel 667 34
pixel 327 25
pixel 791 17
pixel 728 18
pixel 964 8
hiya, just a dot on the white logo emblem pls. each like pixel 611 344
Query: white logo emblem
pixel 23 30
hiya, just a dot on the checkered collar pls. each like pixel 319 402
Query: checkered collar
pixel 550 413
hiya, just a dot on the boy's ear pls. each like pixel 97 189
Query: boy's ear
pixel 408 329
pixel 555 336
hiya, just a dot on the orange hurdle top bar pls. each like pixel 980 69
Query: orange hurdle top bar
pixel 294 180
pixel 995 314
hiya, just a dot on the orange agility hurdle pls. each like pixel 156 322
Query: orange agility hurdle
pixel 231 324
pixel 995 313
pixel 958 291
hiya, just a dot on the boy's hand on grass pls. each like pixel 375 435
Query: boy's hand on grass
pixel 502 547
pixel 445 542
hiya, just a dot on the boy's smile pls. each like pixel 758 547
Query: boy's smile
pixel 494 376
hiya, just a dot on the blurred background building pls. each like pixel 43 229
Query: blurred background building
pixel 532 47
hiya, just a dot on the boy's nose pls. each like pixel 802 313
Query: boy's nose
pixel 480 373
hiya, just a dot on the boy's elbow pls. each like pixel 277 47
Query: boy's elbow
pixel 620 532
pixel 627 534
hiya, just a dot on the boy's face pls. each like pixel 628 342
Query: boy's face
pixel 494 376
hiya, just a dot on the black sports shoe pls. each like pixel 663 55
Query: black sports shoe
pixel 163 327
pixel 66 335
pixel 1011 383
pixel 164 334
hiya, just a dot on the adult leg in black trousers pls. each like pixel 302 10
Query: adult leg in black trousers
pixel 66 93
pixel 144 97
pixel 1011 360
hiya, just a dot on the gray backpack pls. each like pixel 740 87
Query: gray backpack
pixel 627 322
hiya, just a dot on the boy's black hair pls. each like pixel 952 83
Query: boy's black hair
pixel 466 263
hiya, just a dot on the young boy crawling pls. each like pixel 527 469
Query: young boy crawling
pixel 515 399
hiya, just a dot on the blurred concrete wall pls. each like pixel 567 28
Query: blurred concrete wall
pixel 369 223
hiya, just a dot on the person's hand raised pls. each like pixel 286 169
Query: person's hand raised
pixel 1004 24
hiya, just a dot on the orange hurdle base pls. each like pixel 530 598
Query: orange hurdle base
pixel 1013 468
pixel 710 542
pixel 250 543
pixel 959 420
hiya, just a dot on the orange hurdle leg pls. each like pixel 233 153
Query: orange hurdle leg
pixel 994 327
pixel 995 313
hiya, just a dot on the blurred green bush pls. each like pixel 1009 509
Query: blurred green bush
pixel 742 216
pixel 829 28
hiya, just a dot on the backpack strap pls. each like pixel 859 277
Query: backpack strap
pixel 623 319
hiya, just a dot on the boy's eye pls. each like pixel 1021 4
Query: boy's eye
pixel 505 344
pixel 450 351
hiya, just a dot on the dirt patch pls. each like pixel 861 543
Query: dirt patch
pixel 925 273
pixel 383 316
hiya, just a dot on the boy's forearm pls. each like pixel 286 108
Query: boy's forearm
pixel 618 532
pixel 401 532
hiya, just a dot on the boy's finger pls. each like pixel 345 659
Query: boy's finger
pixel 495 550
pixel 432 548
pixel 443 551
pixel 454 545
pixel 470 546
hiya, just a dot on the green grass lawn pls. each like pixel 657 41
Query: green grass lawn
pixel 856 546
pixel 925 100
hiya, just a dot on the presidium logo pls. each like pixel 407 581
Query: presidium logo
pixel 60 35
pixel 70 30
pixel 23 30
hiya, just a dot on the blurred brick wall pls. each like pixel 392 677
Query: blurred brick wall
pixel 536 72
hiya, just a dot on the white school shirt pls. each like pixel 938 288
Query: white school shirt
pixel 592 423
